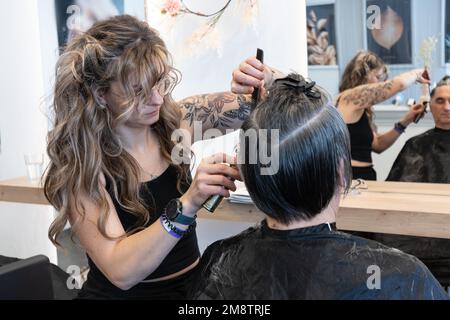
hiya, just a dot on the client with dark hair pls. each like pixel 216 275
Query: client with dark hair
pixel 296 252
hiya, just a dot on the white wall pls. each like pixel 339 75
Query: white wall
pixel 135 8
pixel 327 77
pixel 23 126
pixel 280 30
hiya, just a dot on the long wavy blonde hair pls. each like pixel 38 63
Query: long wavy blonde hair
pixel 357 71
pixel 83 144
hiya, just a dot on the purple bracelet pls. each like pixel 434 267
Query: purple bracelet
pixel 171 229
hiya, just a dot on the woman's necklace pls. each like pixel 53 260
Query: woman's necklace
pixel 150 176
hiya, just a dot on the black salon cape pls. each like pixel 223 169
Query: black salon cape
pixel 425 158
pixel 310 263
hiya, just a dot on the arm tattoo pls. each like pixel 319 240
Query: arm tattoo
pixel 369 95
pixel 209 110
pixel 242 112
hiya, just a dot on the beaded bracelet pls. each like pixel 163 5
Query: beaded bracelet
pixel 172 229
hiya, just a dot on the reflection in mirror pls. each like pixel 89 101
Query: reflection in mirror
pixel 389 29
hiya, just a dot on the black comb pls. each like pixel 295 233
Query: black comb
pixel 256 94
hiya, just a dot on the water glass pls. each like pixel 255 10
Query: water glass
pixel 34 163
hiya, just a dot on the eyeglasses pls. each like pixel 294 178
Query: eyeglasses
pixel 165 85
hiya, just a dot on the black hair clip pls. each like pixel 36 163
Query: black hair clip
pixel 306 87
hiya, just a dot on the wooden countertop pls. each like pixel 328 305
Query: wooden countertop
pixel 398 208
pixel 416 209
pixel 386 207
pixel 22 190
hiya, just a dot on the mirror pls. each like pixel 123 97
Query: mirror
pixel 396 31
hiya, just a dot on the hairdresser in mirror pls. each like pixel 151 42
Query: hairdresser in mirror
pixel 364 84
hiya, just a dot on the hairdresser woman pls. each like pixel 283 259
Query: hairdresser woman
pixel 113 173
pixel 364 84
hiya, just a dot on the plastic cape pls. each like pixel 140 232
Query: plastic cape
pixel 311 263
pixel 425 158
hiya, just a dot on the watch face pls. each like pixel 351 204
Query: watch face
pixel 172 209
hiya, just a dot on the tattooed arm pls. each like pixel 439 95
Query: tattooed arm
pixel 227 110
pixel 365 96
pixel 221 111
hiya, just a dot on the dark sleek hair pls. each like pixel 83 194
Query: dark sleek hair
pixel 445 81
pixel 314 152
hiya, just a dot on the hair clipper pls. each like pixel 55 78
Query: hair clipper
pixel 214 201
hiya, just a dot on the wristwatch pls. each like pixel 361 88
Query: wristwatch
pixel 174 212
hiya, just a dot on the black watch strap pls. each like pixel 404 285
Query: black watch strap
pixel 399 127
pixel 178 216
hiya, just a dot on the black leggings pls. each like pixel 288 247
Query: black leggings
pixel 365 173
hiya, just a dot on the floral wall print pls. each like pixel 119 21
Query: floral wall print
pixel 209 34
pixel 321 35
pixel 392 39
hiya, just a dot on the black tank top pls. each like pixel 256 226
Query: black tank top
pixel 156 194
pixel 361 139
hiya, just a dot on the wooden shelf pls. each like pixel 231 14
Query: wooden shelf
pixel 398 208
pixel 22 190
pixel 386 207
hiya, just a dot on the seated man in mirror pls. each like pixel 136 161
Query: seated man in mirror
pixel 426 158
